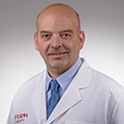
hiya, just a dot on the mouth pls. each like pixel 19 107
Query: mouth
pixel 57 54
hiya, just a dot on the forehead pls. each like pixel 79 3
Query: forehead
pixel 57 17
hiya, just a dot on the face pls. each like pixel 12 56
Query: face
pixel 58 40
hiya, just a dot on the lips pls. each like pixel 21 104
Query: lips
pixel 57 54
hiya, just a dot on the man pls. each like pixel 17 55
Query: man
pixel 68 91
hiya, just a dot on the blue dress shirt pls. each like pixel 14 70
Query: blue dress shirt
pixel 64 80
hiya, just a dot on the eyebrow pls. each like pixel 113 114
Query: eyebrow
pixel 45 32
pixel 59 32
pixel 67 31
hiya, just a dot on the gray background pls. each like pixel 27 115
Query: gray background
pixel 101 20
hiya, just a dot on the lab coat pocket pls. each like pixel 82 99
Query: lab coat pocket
pixel 75 122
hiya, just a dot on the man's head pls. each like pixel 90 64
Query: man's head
pixel 61 5
pixel 58 37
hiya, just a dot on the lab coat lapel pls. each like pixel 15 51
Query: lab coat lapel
pixel 69 99
pixel 72 95
pixel 39 100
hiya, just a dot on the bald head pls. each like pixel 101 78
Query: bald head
pixel 60 9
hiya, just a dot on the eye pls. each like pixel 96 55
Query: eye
pixel 45 36
pixel 66 36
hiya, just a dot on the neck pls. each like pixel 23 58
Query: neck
pixel 54 73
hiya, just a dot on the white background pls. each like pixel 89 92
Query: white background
pixel 101 20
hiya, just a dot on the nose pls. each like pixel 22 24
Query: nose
pixel 56 42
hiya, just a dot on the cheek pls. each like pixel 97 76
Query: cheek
pixel 43 47
pixel 72 45
pixel 75 44
pixel 68 45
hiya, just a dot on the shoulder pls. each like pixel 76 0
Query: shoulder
pixel 106 86
pixel 106 81
pixel 29 86
pixel 98 80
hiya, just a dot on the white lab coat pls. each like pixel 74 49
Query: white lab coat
pixel 91 98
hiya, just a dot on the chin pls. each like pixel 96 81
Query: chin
pixel 58 65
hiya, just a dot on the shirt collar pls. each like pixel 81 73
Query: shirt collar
pixel 65 79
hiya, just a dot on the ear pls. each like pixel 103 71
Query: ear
pixel 82 39
pixel 36 41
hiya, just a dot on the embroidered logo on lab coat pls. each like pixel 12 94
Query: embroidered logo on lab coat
pixel 21 117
